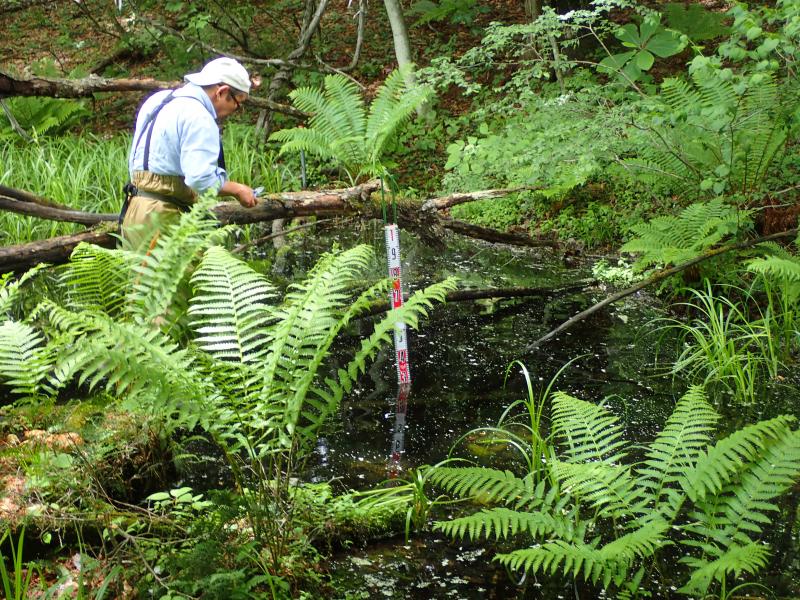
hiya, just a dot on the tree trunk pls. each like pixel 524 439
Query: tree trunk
pixel 402 47
pixel 311 20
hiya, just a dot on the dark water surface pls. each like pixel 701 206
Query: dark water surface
pixel 459 361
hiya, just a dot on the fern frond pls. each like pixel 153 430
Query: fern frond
pixel 738 510
pixel 609 489
pixel 229 307
pixel 675 239
pixel 312 141
pixel 393 105
pixel 715 468
pixel 10 288
pixel 749 558
pixel 714 92
pixel 323 402
pixel 676 448
pixel 504 522
pixel 123 358
pixel 410 313
pixel 340 128
pixel 306 319
pixel 642 542
pixel 679 95
pixel 22 364
pixel 338 115
pixel 589 432
pixel 782 269
pixel 608 564
pixel 492 485
pixel 98 278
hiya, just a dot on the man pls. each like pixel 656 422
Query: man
pixel 177 153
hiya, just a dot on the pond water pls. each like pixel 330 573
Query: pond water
pixel 459 360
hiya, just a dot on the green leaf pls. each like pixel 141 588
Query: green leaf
pixel 614 63
pixel 664 44
pixel 158 497
pixel 754 32
pixel 648 27
pixel 629 33
pixel 644 60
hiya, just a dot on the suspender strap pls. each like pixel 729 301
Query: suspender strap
pixel 151 122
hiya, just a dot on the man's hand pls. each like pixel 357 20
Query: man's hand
pixel 244 194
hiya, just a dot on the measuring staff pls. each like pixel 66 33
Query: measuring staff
pixel 392 237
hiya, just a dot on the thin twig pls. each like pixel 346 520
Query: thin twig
pixel 266 238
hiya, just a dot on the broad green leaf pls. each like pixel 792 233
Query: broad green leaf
pixel 629 33
pixel 614 63
pixel 644 60
pixel 648 28
pixel 664 44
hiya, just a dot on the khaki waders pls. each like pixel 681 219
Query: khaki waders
pixel 159 200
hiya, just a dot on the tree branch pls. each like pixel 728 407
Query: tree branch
pixel 83 88
pixel 655 278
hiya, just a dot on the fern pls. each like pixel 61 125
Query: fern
pixel 393 105
pixel 589 432
pixel 10 288
pixel 503 522
pixel 124 358
pixel 711 498
pixel 676 448
pixel 715 468
pixel 609 489
pixel 714 137
pixel 782 269
pixel 607 564
pixel 675 239
pixel 162 270
pixel 737 511
pixel 495 486
pixel 22 363
pixel 98 279
pixel 749 558
pixel 229 307
pixel 41 116
pixel 343 130
pixel 277 351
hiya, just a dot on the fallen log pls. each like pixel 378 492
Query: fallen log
pixel 358 202
pixel 54 214
pixel 462 197
pixel 24 196
pixel 496 236
pixel 54 250
pixel 54 87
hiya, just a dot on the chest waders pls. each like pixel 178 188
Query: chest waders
pixel 392 238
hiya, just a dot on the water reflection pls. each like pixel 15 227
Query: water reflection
pixel 397 447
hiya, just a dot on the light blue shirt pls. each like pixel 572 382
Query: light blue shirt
pixel 185 139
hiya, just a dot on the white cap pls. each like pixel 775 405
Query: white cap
pixel 222 70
